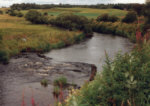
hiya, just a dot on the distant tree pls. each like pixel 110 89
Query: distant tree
pixel 36 17
pixel 72 22
pixel 147 17
pixel 147 12
pixel 130 17
pixel 138 8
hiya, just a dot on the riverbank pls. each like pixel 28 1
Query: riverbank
pixel 116 28
pixel 18 35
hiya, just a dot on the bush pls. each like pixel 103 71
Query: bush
pixel 123 81
pixel 107 18
pixel 44 82
pixel 71 22
pixel 113 18
pixel 62 81
pixel 36 17
pixel 116 28
pixel 4 57
pixel 1 12
pixel 19 14
pixel 130 17
pixel 103 17
pixel 12 13
pixel 45 13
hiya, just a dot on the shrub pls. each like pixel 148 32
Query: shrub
pixel 71 22
pixel 19 14
pixel 62 81
pixel 123 81
pixel 56 91
pixel 103 17
pixel 46 13
pixel 12 13
pixel 113 18
pixel 36 17
pixel 4 57
pixel 130 17
pixel 1 12
pixel 116 28
pixel 44 82
pixel 107 18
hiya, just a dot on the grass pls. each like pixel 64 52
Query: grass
pixel 20 35
pixel 88 12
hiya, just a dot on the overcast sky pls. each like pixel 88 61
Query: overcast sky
pixel 10 2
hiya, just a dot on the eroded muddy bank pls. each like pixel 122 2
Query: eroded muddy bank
pixel 21 78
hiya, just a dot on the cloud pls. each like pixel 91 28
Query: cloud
pixel 10 2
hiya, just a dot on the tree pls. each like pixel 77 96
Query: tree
pixel 147 12
pixel 138 8
pixel 36 17
pixel 130 17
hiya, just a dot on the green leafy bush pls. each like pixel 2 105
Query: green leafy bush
pixel 1 12
pixel 44 82
pixel 72 22
pixel 103 17
pixel 4 57
pixel 61 81
pixel 36 17
pixel 116 28
pixel 12 13
pixel 125 81
pixel 19 14
pixel 107 18
pixel 130 17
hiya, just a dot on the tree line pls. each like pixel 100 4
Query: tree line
pixel 27 6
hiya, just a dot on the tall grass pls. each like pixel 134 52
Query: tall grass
pixel 116 28
pixel 21 36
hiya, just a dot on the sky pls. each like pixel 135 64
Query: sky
pixel 10 2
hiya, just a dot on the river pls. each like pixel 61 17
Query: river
pixel 20 79
pixel 93 50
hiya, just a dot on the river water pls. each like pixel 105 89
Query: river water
pixel 20 79
pixel 93 50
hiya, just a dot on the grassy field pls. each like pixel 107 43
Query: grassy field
pixel 88 12
pixel 18 35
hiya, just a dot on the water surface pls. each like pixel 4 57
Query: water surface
pixel 93 50
pixel 20 80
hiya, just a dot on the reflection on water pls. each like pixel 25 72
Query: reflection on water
pixel 93 50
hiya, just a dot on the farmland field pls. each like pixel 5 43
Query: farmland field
pixel 88 12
